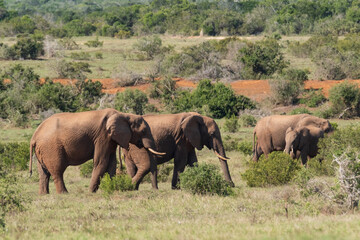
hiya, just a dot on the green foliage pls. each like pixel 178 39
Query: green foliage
pixel 86 169
pixel 94 43
pixel 334 145
pixel 345 99
pixel 245 147
pixel 121 183
pixel 231 124
pixel 133 101
pixel 11 198
pixel 150 47
pixel 313 98
pixel 277 169
pixel 262 59
pixel 204 179
pixel 164 173
pixel 80 55
pixel 15 155
pixel 288 85
pixel 72 70
pixel 299 110
pixel 247 120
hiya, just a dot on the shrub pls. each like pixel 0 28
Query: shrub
pixel 231 124
pixel 299 110
pixel 245 147
pixel 164 173
pixel 94 43
pixel 278 169
pixel 15 155
pixel 80 56
pixel 118 183
pixel 288 85
pixel 247 120
pixel 150 46
pixel 11 198
pixel 345 99
pixel 313 98
pixel 262 59
pixel 133 101
pixel 72 70
pixel 28 48
pixel 204 179
pixel 68 43
pixel 86 169
pixel 99 55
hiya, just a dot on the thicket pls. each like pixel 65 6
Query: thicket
pixel 345 100
pixel 126 18
pixel 26 47
pixel 277 169
pixel 204 179
pixel 120 182
pixel 15 155
pixel 23 95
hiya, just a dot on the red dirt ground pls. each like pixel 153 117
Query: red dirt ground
pixel 257 90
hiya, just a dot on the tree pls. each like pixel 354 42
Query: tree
pixel 133 101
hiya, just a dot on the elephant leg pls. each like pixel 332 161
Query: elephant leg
pixel 56 169
pixel 101 163
pixel 44 177
pixel 131 168
pixel 304 155
pixel 112 165
pixel 59 182
pixel 258 152
pixel 180 161
pixel 142 170
pixel 192 158
pixel 153 170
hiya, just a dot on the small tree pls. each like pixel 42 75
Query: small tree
pixel 345 99
pixel 150 46
pixel 133 101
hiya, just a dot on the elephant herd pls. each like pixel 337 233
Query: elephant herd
pixel 68 139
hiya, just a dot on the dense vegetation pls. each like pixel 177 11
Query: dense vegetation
pixel 188 17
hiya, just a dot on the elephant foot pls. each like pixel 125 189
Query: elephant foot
pixel 175 187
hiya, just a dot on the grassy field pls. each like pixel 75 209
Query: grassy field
pixel 253 213
pixel 119 56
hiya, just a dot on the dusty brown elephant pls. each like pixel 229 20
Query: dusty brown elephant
pixel 67 139
pixel 302 141
pixel 178 135
pixel 270 131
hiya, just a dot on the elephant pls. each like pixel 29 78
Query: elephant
pixel 302 141
pixel 177 135
pixel 70 139
pixel 270 131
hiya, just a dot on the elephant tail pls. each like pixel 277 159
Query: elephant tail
pixel 254 135
pixel 32 145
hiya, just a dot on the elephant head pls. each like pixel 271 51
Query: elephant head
pixel 295 139
pixel 130 128
pixel 203 131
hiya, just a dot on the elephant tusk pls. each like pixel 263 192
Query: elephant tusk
pixel 221 157
pixel 155 152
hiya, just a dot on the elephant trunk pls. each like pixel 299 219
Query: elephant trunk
pixel 220 153
pixel 150 145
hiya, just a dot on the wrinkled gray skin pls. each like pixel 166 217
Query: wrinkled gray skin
pixel 303 142
pixel 178 135
pixel 68 139
pixel 270 131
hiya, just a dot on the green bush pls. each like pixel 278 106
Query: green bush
pixel 28 48
pixel 299 110
pixel 313 98
pixel 164 173
pixel 86 169
pixel 345 99
pixel 11 197
pixel 133 101
pixel 94 43
pixel 262 59
pixel 245 147
pixel 80 55
pixel 231 124
pixel 247 120
pixel 278 169
pixel 288 85
pixel 15 155
pixel 117 183
pixel 204 179
pixel 150 47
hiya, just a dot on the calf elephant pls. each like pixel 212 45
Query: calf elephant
pixel 66 139
pixel 303 141
pixel 270 131
pixel 178 135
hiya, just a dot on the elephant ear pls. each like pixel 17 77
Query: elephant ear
pixel 191 128
pixel 118 128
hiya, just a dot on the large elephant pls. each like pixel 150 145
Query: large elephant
pixel 302 141
pixel 178 135
pixel 270 131
pixel 66 139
